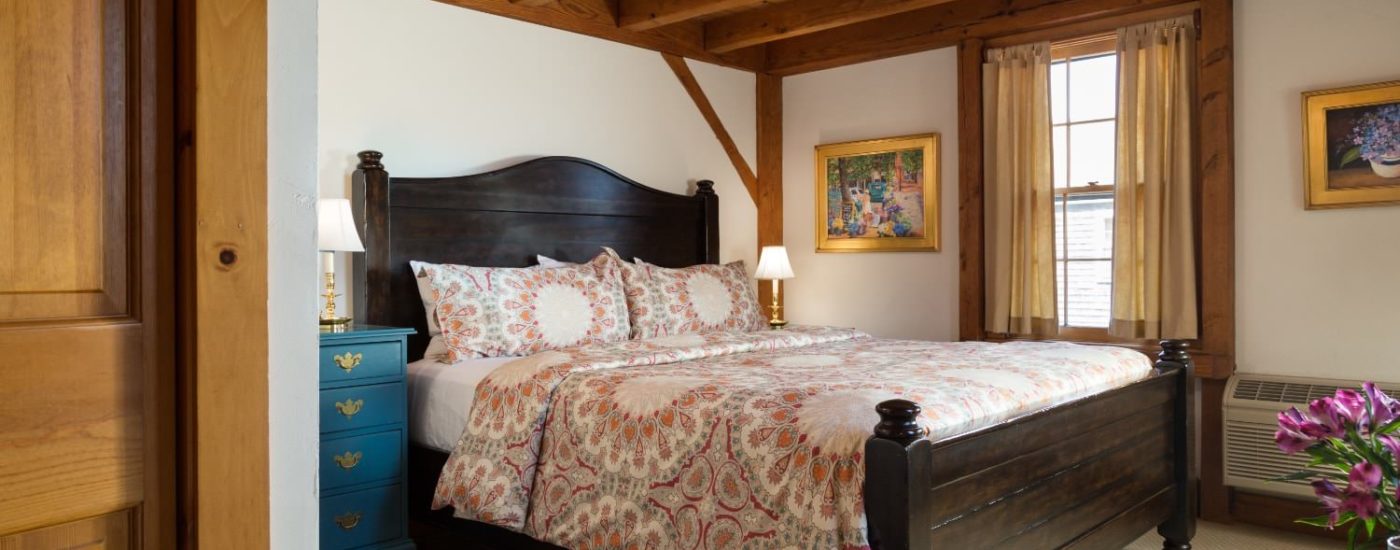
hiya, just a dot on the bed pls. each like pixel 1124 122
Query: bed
pixel 1095 470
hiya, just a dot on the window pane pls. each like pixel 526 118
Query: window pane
pixel 1058 92
pixel 1088 227
pixel 1059 227
pixel 1060 158
pixel 1091 153
pixel 1093 88
pixel 1087 303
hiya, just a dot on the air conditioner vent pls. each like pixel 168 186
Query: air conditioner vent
pixel 1252 460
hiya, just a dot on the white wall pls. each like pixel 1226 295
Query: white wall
pixel 1318 292
pixel 291 273
pixel 442 90
pixel 889 294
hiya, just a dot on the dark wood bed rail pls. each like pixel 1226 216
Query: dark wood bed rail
pixel 983 497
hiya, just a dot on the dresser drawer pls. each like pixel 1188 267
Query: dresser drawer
pixel 357 361
pixel 360 459
pixel 363 517
pixel 361 407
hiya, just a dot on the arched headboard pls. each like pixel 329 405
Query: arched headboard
pixel 563 207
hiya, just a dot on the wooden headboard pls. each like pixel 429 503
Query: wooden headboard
pixel 562 207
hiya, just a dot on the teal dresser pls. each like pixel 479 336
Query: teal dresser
pixel 364 438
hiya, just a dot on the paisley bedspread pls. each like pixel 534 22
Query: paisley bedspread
pixel 730 440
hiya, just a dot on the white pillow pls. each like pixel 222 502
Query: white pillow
pixel 548 262
pixel 425 293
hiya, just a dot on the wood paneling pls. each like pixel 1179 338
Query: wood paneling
pixel 62 161
pixel 971 304
pixel 229 255
pixel 595 18
pixel 936 27
pixel 697 94
pixel 769 95
pixel 114 531
pixel 648 14
pixel 745 29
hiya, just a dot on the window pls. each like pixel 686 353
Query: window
pixel 1084 108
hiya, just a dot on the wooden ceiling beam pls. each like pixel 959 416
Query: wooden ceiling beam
pixel 596 18
pixel 937 27
pixel 532 3
pixel 742 30
pixel 640 15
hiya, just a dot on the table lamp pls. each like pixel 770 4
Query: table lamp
pixel 336 233
pixel 773 265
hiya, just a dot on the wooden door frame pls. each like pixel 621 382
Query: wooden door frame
pixel 221 193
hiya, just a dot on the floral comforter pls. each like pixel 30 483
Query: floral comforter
pixel 730 440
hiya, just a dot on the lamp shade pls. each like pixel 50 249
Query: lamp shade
pixel 336 227
pixel 773 264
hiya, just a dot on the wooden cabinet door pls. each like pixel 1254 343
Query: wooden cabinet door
pixel 86 388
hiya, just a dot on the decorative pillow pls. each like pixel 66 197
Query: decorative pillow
pixel 699 298
pixel 494 312
pixel 550 263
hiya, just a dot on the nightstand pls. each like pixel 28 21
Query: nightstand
pixel 364 438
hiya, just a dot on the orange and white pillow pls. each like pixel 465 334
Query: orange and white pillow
pixel 494 312
pixel 700 298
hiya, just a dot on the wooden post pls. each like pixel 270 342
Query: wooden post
pixel 1178 530
pixel 898 476
pixel 770 169
pixel 971 322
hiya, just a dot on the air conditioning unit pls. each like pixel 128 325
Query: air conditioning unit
pixel 1252 404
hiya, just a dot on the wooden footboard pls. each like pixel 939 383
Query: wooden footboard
pixel 1093 473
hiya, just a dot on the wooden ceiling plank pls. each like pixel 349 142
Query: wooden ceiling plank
pixel 742 30
pixel 595 18
pixel 937 27
pixel 640 15
pixel 532 3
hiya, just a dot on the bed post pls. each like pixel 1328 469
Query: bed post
pixel 369 199
pixel 705 189
pixel 1178 530
pixel 898 478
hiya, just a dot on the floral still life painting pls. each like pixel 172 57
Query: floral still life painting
pixel 1352 441
pixel 1352 141
pixel 878 195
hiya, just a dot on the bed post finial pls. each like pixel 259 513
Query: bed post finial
pixel 1174 352
pixel 369 160
pixel 704 187
pixel 897 420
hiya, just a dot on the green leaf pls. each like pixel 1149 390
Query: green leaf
pixel 1351 536
pixel 1370 527
pixel 1295 476
pixel 1350 156
pixel 1318 521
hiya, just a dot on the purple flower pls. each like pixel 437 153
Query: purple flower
pixel 1378 132
pixel 1392 444
pixel 1330 497
pixel 1364 476
pixel 1384 408
pixel 1351 407
pixel 1364 504
pixel 1327 422
pixel 1291 436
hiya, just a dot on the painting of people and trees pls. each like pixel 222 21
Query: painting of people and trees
pixel 878 195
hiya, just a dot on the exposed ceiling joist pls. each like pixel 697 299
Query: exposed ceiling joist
pixel 640 15
pixel 936 27
pixel 532 3
pixel 596 18
pixel 745 29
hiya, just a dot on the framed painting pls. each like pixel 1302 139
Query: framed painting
pixel 878 195
pixel 1351 140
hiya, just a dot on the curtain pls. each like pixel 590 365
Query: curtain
pixel 1020 232
pixel 1154 262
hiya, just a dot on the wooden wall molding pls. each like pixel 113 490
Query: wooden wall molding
pixel 697 94
pixel 225 166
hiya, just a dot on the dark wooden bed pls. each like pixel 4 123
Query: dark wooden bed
pixel 1096 472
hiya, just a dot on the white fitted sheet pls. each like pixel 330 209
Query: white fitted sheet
pixel 440 398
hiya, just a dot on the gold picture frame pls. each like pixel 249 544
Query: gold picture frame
pixel 1344 163
pixel 879 184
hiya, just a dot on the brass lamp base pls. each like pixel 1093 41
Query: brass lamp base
pixel 335 321
pixel 776 322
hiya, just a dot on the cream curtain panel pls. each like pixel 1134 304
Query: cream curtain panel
pixel 1020 233
pixel 1154 262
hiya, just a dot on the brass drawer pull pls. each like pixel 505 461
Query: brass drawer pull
pixel 348 460
pixel 348 521
pixel 348 361
pixel 349 407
